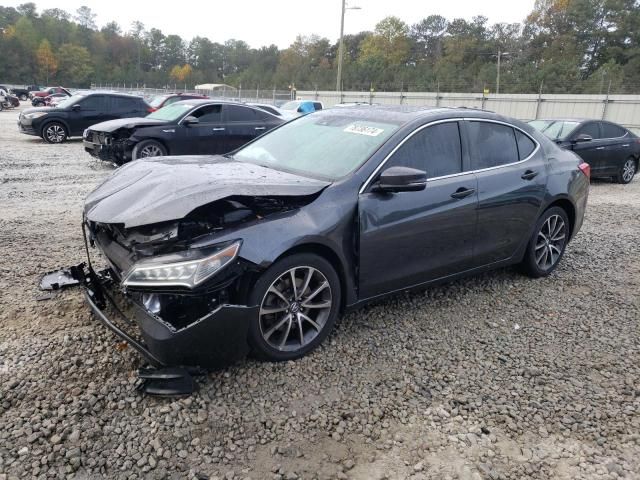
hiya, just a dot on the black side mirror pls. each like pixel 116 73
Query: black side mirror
pixel 190 120
pixel 75 107
pixel 583 137
pixel 402 179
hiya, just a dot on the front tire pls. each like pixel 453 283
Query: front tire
pixel 627 171
pixel 547 244
pixel 24 97
pixel 299 298
pixel 54 132
pixel 148 148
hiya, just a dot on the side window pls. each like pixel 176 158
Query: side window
pixel 526 146
pixel 436 150
pixel 208 114
pixel 590 129
pixel 609 130
pixel 492 144
pixel 236 113
pixel 317 105
pixel 93 102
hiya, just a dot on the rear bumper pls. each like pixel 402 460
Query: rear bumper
pixel 213 341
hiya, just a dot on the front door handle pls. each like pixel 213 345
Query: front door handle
pixel 260 128
pixel 463 192
pixel 529 175
pixel 219 129
pixel 600 148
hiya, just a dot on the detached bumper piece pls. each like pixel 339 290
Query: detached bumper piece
pixel 168 382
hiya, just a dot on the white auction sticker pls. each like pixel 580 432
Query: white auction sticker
pixel 364 130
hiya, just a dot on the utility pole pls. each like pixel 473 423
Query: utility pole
pixel 500 54
pixel 341 47
pixel 341 44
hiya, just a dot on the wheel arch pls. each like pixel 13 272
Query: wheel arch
pixel 155 139
pixel 570 209
pixel 55 120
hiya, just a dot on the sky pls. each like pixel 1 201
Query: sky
pixel 263 22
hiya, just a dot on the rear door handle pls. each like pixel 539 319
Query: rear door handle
pixel 219 129
pixel 599 148
pixel 529 175
pixel 260 128
pixel 463 192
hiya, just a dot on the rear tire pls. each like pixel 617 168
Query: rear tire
pixel 627 171
pixel 24 97
pixel 148 148
pixel 293 321
pixel 547 243
pixel 54 132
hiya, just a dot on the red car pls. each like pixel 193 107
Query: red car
pixel 49 91
pixel 160 101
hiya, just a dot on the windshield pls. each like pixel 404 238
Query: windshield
pixel 324 146
pixel 157 100
pixel 171 112
pixel 290 106
pixel 72 100
pixel 554 129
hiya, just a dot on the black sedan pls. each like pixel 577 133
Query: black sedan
pixel 610 149
pixel 262 250
pixel 73 115
pixel 189 127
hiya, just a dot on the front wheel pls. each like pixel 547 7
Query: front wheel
pixel 54 132
pixel 627 171
pixel 547 244
pixel 24 97
pixel 299 298
pixel 148 148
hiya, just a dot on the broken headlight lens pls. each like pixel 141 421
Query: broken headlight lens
pixel 184 274
pixel 33 115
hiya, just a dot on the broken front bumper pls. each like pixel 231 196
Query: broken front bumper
pixel 213 341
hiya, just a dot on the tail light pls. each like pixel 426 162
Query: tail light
pixel 151 109
pixel 585 168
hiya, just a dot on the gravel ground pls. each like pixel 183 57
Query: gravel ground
pixel 497 376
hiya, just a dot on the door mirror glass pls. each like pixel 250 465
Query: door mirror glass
pixel 75 107
pixel 190 120
pixel 583 137
pixel 402 179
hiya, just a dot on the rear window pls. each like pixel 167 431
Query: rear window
pixel 492 145
pixel 610 130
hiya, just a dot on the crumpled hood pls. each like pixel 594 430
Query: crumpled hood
pixel 149 191
pixel 113 125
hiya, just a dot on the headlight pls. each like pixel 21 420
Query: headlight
pixel 184 274
pixel 33 115
pixel 85 133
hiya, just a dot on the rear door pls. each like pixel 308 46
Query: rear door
pixel 408 238
pixel 242 124
pixel 512 177
pixel 618 147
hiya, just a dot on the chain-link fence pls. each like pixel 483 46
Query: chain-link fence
pixel 257 95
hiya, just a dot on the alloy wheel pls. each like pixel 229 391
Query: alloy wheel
pixel 295 309
pixel 628 170
pixel 550 242
pixel 55 133
pixel 151 151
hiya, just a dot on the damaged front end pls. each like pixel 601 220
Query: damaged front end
pixel 187 292
pixel 109 146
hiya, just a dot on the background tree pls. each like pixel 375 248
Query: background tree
pixel 46 59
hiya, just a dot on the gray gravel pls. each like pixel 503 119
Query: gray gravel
pixel 496 377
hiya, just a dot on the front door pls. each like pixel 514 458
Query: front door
pixel 591 151
pixel 91 111
pixel 207 137
pixel 512 179
pixel 408 238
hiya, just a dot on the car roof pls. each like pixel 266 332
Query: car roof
pixel 206 101
pixel 106 92
pixel 406 113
